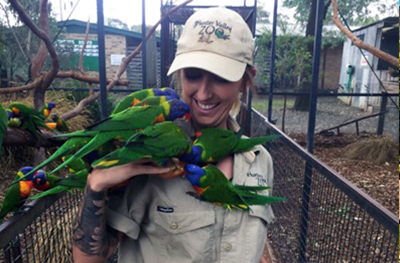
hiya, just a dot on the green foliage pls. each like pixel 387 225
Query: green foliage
pixel 356 12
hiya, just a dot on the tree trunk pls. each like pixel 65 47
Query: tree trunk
pixel 302 102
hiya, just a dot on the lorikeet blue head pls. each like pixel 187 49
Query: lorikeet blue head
pixel 51 105
pixel 194 156
pixel 194 173
pixel 171 92
pixel 24 170
pixel 177 109
pixel 158 92
pixel 10 113
pixel 39 178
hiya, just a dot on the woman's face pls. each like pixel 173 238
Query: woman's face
pixel 209 97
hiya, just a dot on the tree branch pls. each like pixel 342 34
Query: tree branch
pixel 86 78
pixel 84 46
pixel 36 83
pixel 357 42
pixel 18 137
pixel 121 68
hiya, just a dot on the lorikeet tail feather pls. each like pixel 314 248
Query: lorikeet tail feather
pixel 251 188
pixel 93 144
pixel 246 144
pixel 51 191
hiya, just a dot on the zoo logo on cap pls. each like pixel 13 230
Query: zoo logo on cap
pixel 207 28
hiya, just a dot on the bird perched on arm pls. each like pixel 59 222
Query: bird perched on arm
pixel 159 143
pixel 51 184
pixel 118 127
pixel 213 144
pixel 212 186
pixel 17 193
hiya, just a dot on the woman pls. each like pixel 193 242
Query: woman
pixel 154 220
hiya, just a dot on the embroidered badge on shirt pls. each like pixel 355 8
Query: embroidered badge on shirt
pixel 261 181
pixel 165 209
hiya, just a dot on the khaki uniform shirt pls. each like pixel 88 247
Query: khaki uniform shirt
pixel 161 223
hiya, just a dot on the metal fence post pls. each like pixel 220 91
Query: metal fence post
pixel 381 119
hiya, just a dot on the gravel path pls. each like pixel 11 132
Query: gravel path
pixel 331 112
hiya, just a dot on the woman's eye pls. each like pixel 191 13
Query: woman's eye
pixel 220 80
pixel 193 74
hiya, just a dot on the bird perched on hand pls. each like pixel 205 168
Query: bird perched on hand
pixel 17 193
pixel 31 119
pixel 204 148
pixel 212 186
pixel 118 127
pixel 46 110
pixel 159 143
pixel 51 184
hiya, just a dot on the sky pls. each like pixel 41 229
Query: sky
pixel 130 11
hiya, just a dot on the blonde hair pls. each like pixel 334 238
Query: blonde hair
pixel 247 78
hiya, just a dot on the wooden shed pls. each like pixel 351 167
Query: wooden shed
pixel 355 74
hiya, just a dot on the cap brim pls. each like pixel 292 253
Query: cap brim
pixel 224 67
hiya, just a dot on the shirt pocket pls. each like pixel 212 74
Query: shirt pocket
pixel 187 236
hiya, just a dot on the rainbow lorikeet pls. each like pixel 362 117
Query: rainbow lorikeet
pixel 118 127
pixel 31 119
pixel 61 125
pixel 17 193
pixel 159 143
pixel 136 97
pixel 51 184
pixel 46 110
pixel 170 92
pixel 154 100
pixel 3 124
pixel 212 186
pixel 213 144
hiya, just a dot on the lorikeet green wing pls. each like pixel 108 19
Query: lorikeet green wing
pixel 213 144
pixel 159 142
pixel 211 185
pixel 51 184
pixel 123 125
pixel 17 193
pixel 136 97
pixel 61 124
pixel 3 124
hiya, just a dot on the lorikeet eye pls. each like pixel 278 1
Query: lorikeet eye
pixel 191 173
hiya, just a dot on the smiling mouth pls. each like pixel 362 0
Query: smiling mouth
pixel 206 106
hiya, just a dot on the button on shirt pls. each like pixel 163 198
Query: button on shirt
pixel 162 223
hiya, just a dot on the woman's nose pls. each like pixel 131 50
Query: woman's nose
pixel 205 89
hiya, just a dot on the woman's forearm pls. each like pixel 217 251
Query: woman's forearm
pixel 92 238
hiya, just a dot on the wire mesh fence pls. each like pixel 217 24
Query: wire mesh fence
pixel 326 218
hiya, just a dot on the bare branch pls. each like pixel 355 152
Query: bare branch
pixel 121 69
pixel 34 84
pixel 13 33
pixel 86 78
pixel 359 43
pixel 18 137
pixel 43 36
pixel 84 46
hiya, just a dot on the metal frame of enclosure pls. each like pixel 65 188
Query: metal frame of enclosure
pixel 326 218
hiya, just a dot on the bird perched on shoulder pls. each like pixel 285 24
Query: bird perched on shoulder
pixel 159 143
pixel 154 100
pixel 211 185
pixel 136 97
pixel 118 127
pixel 17 193
pixel 51 184
pixel 46 110
pixel 204 148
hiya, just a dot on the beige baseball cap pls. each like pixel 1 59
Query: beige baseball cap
pixel 217 40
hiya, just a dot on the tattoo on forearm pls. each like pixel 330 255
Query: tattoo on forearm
pixel 90 232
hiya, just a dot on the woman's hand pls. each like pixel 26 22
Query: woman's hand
pixel 103 179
